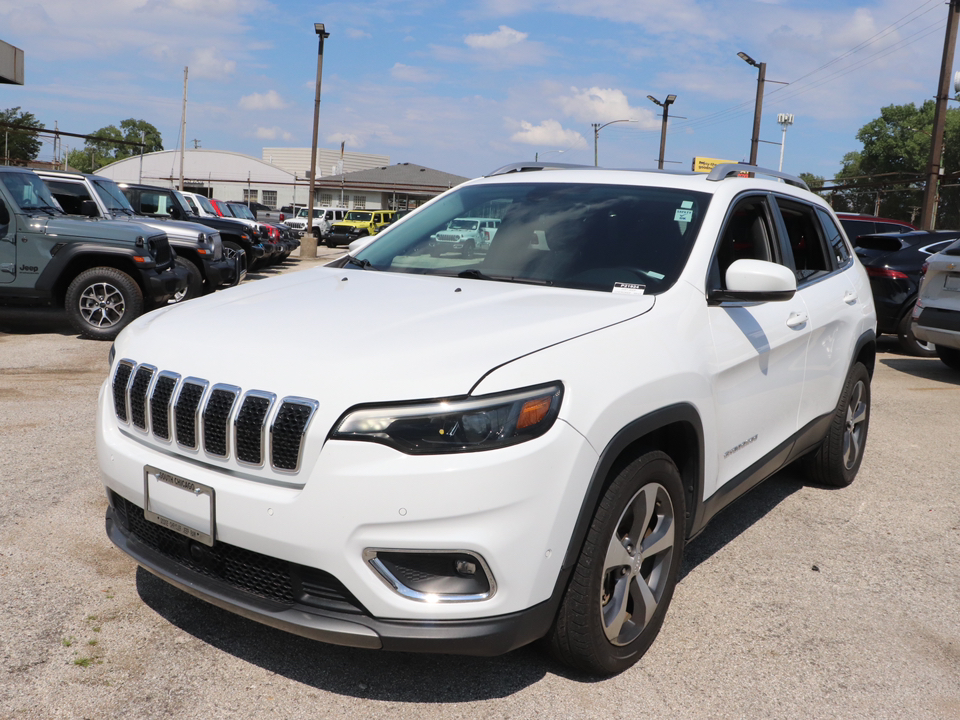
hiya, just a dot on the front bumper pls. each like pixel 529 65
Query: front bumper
pixel 161 285
pixel 226 271
pixel 332 239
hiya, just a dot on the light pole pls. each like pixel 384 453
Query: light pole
pixel 785 120
pixel 536 156
pixel 663 128
pixel 758 106
pixel 597 127
pixel 308 246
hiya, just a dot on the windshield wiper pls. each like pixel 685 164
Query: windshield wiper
pixel 474 274
pixel 360 263
pixel 49 209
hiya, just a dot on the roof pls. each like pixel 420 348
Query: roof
pixel 403 177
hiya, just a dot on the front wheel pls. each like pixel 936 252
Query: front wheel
pixel 627 570
pixel 909 342
pixel 101 301
pixel 836 461
pixel 194 286
pixel 949 356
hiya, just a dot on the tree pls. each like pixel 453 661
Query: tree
pixel 22 146
pixel 887 175
pixel 814 182
pixel 105 149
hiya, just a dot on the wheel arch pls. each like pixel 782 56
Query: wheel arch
pixel 61 270
pixel 865 351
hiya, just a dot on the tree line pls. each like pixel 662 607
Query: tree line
pixel 22 144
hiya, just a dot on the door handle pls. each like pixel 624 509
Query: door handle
pixel 796 319
pixel 8 268
pixel 850 298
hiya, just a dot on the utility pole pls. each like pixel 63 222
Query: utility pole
pixel 928 214
pixel 142 136
pixel 785 120
pixel 308 245
pixel 183 126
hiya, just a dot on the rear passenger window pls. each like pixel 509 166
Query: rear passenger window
pixel 892 227
pixel 803 232
pixel 838 246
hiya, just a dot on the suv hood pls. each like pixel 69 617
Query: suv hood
pixel 75 226
pixel 344 337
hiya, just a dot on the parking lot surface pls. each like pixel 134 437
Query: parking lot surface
pixel 796 602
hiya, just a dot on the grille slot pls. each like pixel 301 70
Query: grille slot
pixel 120 381
pixel 160 404
pixel 287 432
pixel 187 409
pixel 138 395
pixel 251 426
pixel 216 418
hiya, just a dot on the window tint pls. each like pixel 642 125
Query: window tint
pixel 70 195
pixel 892 227
pixel 834 238
pixel 803 232
pixel 856 228
pixel 748 235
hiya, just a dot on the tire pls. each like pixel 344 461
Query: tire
pixel 102 301
pixel 194 287
pixel 836 461
pixel 909 342
pixel 949 356
pixel 468 249
pixel 612 581
pixel 234 248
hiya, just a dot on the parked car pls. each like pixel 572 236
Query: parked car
pixel 528 438
pixel 936 317
pixel 199 249
pixel 103 273
pixel 465 235
pixel 323 219
pixel 356 224
pixel 857 224
pixel 893 261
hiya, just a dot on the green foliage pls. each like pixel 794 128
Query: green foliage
pixel 104 149
pixel 814 182
pixel 891 166
pixel 22 145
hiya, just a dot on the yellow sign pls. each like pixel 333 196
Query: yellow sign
pixel 705 164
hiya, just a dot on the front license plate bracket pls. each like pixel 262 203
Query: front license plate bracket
pixel 186 507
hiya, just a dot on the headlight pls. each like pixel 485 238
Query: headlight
pixel 201 238
pixel 460 425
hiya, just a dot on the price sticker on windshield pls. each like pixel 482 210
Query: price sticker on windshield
pixel 622 288
pixel 683 215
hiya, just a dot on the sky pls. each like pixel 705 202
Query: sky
pixel 468 86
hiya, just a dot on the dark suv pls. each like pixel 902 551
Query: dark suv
pixel 104 273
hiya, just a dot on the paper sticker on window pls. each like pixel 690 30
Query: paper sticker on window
pixel 687 204
pixel 683 215
pixel 621 288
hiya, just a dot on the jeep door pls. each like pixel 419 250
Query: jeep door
pixel 8 244
pixel 759 351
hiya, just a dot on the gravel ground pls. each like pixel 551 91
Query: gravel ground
pixel 797 602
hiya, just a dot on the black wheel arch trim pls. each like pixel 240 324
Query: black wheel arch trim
pixel 53 277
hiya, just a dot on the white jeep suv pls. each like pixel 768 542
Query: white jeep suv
pixel 527 439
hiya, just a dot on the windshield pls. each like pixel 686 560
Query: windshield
pixel 317 212
pixel 608 238
pixel 111 195
pixel 241 211
pixel 359 216
pixel 205 203
pixel 184 207
pixel 464 225
pixel 29 191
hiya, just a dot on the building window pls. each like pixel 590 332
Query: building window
pixel 326 199
pixel 359 202
pixel 250 195
pixel 270 198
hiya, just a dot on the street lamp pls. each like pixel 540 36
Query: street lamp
pixel 308 246
pixel 597 127
pixel 663 128
pixel 758 107
pixel 536 156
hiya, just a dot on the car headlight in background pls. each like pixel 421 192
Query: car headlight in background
pixel 460 425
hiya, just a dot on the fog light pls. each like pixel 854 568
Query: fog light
pixel 433 576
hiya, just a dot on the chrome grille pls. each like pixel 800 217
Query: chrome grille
pixel 216 419
pixel 160 404
pixel 188 406
pixel 120 381
pixel 220 420
pixel 288 430
pixel 138 395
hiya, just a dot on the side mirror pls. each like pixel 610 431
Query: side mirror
pixel 89 208
pixel 176 213
pixel 756 281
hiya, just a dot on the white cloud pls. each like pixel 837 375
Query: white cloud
pixel 357 33
pixel 502 38
pixel 603 105
pixel 410 73
pixel 549 133
pixel 351 140
pixel 269 100
pixel 273 133
pixel 208 63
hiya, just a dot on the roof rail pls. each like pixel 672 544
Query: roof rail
pixel 531 166
pixel 725 170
